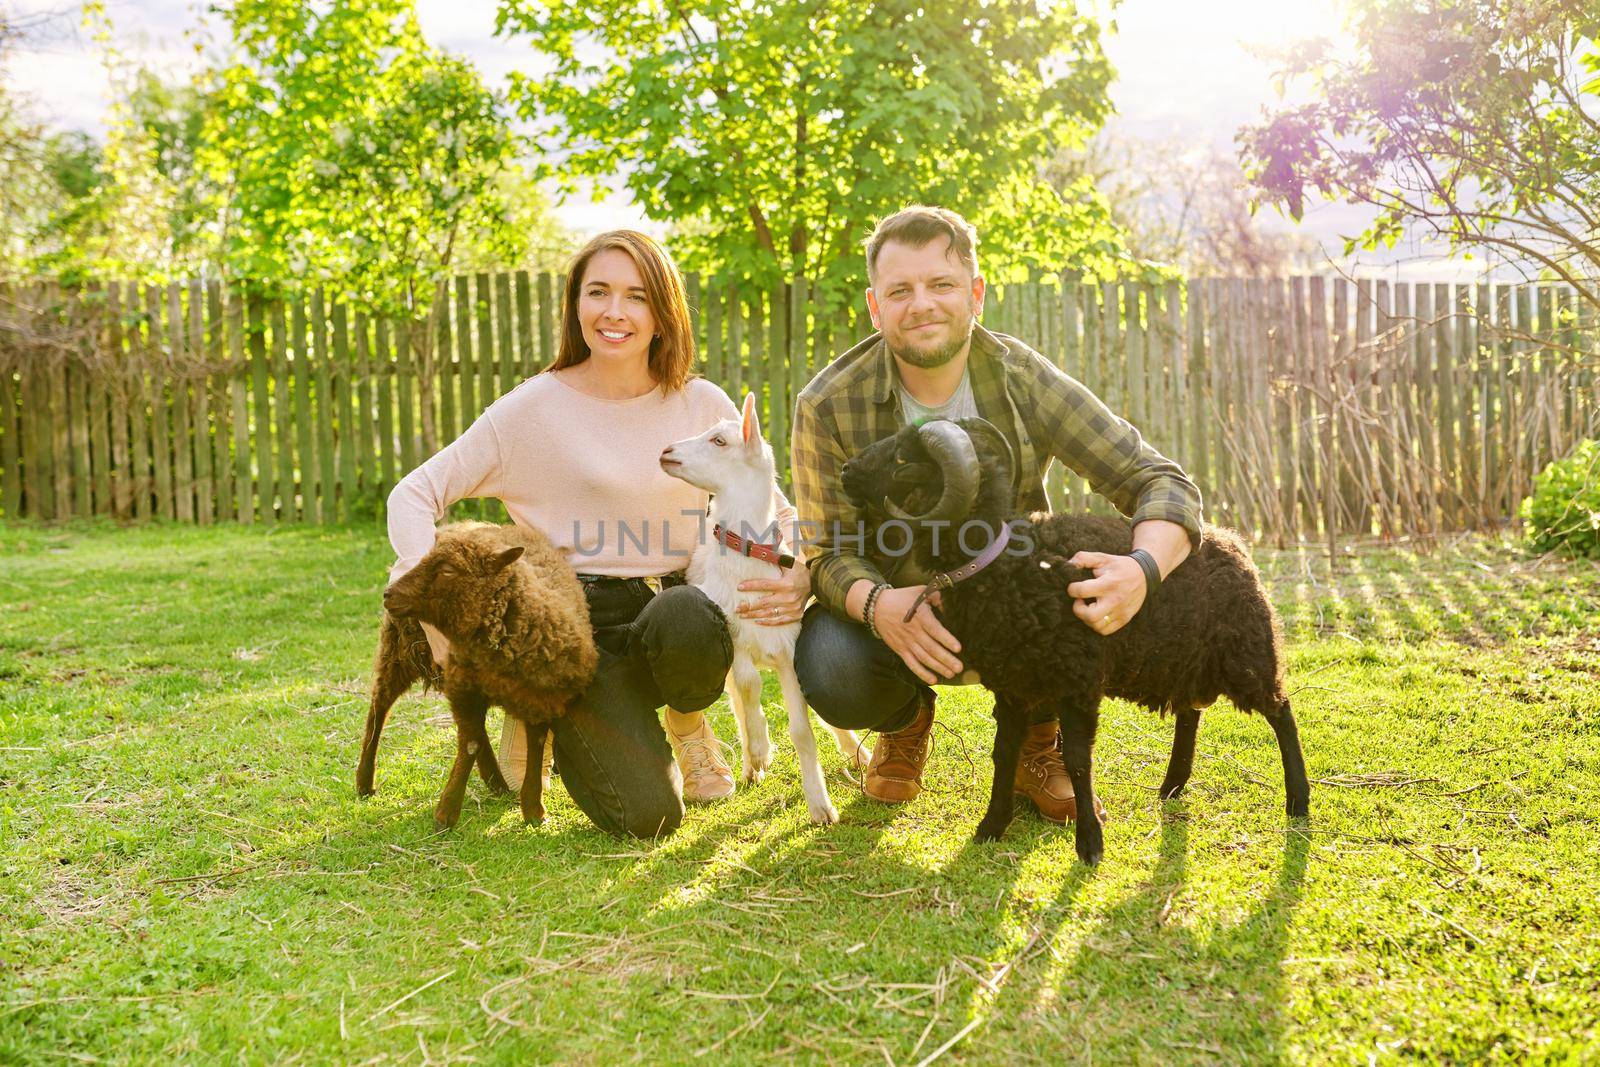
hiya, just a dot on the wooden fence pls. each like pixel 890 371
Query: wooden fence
pixel 1303 407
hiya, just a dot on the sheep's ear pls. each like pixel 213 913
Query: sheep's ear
pixel 752 426
pixel 507 558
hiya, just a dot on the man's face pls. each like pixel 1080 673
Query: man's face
pixel 924 301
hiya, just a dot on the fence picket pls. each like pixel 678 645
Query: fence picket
pixel 199 391
pixel 306 440
pixel 100 405
pixel 178 362
pixel 77 381
pixel 221 413
pixel 326 409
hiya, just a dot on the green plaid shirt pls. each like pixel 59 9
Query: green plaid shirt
pixel 1046 415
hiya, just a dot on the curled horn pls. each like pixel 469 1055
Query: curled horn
pixel 951 448
pixel 985 428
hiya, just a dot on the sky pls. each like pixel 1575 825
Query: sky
pixel 1185 71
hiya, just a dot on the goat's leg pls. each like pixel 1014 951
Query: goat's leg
pixel 392 675
pixel 1080 721
pixel 821 807
pixel 1181 762
pixel 854 752
pixel 744 691
pixel 1011 727
pixel 1296 786
pixel 533 780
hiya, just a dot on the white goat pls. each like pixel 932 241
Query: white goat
pixel 733 463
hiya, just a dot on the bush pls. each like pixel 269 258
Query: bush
pixel 1564 511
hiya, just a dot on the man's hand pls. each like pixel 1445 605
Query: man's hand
pixel 1117 589
pixel 786 602
pixel 923 643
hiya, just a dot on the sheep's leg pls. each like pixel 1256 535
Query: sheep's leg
pixel 1181 763
pixel 1296 786
pixel 393 674
pixel 533 780
pixel 744 690
pixel 821 807
pixel 1079 724
pixel 1011 728
pixel 469 727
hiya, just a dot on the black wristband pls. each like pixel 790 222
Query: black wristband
pixel 1152 572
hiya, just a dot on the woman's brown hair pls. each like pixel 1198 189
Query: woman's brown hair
pixel 672 349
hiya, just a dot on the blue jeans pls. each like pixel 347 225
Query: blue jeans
pixel 851 679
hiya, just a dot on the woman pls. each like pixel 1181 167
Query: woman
pixel 574 452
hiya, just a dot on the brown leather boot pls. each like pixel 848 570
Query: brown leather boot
pixel 1042 777
pixel 895 774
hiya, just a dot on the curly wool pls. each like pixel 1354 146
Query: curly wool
pixel 1207 631
pixel 518 624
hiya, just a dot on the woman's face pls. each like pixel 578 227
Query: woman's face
pixel 613 312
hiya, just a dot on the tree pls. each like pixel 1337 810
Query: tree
pixel 1183 207
pixel 348 152
pixel 1478 119
pixel 776 133
pixel 39 170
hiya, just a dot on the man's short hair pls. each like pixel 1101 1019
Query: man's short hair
pixel 919 225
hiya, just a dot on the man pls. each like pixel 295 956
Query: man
pixel 863 666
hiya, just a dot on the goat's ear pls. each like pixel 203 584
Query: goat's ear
pixel 752 425
pixel 507 558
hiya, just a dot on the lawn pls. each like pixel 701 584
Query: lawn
pixel 186 874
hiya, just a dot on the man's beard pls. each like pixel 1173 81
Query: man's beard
pixel 929 358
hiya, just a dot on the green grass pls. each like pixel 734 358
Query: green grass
pixel 187 875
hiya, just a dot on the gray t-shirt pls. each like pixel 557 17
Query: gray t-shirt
pixel 961 404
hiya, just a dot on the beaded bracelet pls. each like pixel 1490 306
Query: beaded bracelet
pixel 869 610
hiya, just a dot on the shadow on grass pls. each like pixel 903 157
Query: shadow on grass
pixel 1148 984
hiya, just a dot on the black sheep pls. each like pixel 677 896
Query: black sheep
pixel 1209 629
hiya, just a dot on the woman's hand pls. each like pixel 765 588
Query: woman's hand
pixel 786 597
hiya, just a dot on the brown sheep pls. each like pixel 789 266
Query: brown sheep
pixel 519 632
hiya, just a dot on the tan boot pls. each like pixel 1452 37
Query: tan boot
pixel 514 755
pixel 895 774
pixel 706 777
pixel 1042 777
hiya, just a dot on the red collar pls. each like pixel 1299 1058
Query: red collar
pixel 769 553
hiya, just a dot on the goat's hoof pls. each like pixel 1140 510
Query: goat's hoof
pixel 367 792
pixel 753 775
pixel 1091 856
pixel 823 813
pixel 1171 792
pixel 443 821
pixel 1299 807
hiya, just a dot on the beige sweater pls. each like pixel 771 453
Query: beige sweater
pixel 581 470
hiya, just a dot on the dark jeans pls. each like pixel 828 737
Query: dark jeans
pixel 850 678
pixel 672 648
